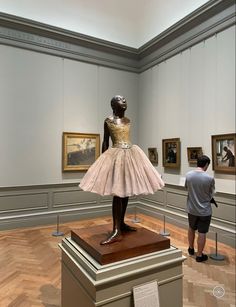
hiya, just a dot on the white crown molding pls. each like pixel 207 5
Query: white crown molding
pixel 211 18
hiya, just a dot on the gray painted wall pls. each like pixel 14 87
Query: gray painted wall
pixel 53 81
pixel 42 96
pixel 190 96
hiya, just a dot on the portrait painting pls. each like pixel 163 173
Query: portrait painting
pixel 171 153
pixel 79 150
pixel 223 153
pixel 153 155
pixel 193 154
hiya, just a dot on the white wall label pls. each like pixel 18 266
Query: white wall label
pixel 182 181
pixel 146 295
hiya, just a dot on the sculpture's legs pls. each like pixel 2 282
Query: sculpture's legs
pixel 125 227
pixel 119 206
pixel 117 212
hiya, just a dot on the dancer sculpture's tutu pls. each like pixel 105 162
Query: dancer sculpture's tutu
pixel 123 170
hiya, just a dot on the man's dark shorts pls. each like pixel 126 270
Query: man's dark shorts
pixel 200 223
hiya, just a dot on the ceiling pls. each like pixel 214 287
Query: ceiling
pixel 127 22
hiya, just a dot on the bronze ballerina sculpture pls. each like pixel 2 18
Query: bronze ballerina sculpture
pixel 122 170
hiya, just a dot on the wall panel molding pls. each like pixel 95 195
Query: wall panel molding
pixel 73 197
pixel 24 206
pixel 35 36
pixel 25 201
pixel 71 203
pixel 209 19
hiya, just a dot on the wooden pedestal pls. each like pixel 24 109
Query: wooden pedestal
pixel 135 243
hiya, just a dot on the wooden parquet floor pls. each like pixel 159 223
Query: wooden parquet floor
pixel 30 268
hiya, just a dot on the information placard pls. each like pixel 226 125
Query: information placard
pixel 146 295
pixel 182 181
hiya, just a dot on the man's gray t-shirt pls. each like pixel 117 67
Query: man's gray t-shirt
pixel 200 188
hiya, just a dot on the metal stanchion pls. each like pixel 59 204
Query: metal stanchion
pixel 57 233
pixel 135 219
pixel 217 256
pixel 164 232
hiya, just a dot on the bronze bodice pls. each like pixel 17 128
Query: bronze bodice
pixel 119 133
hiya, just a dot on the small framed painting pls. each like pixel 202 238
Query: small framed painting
pixel 153 155
pixel 193 154
pixel 223 153
pixel 79 150
pixel 171 153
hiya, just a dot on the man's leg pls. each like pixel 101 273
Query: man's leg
pixel 191 237
pixel 192 226
pixel 201 241
pixel 200 246
pixel 203 227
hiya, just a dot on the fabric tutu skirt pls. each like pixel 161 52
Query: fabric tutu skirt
pixel 122 172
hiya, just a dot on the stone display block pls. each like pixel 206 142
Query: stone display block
pixel 88 283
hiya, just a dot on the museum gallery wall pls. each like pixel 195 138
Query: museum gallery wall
pixel 63 96
pixel 189 96
pixel 192 97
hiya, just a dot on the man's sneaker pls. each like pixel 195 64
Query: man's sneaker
pixel 191 251
pixel 201 258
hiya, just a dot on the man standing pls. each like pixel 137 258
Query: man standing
pixel 200 188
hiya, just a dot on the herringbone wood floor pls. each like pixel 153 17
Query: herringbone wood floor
pixel 30 266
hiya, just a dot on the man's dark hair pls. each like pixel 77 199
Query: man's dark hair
pixel 203 160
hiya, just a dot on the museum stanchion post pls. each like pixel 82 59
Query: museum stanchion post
pixel 135 219
pixel 105 275
pixel 216 255
pixel 164 232
pixel 58 233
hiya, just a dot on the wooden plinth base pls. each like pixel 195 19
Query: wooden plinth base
pixel 133 244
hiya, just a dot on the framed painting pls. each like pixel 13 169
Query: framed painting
pixel 171 153
pixel 79 150
pixel 223 153
pixel 153 155
pixel 193 154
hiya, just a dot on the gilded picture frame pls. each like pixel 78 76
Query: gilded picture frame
pixel 171 153
pixel 223 153
pixel 193 153
pixel 79 150
pixel 153 155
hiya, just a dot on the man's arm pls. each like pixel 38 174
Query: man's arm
pixel 186 185
pixel 213 202
pixel 213 187
pixel 213 192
